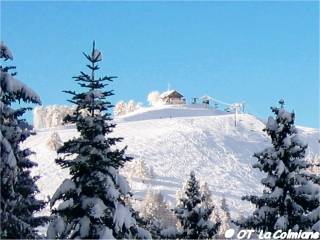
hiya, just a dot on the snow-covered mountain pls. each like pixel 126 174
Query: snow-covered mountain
pixel 174 140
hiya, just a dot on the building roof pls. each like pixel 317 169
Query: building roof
pixel 171 93
pixel 206 97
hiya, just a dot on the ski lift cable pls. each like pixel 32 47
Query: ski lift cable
pixel 228 104
pixel 234 106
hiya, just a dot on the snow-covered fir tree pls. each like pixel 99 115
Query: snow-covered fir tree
pixel 314 159
pixel 194 214
pixel 120 108
pixel 52 116
pixel 225 208
pixel 291 199
pixel 206 195
pixel 18 187
pixel 154 98
pixel 133 106
pixel 220 214
pixel 156 212
pixel 139 169
pixel 54 141
pixel 92 203
pixel 39 117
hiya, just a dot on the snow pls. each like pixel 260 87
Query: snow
pixel 106 234
pixel 261 212
pixel 139 169
pixel 269 181
pixel 281 223
pixel 271 124
pixel 84 226
pixel 96 206
pixel 299 141
pixel 169 233
pixel 10 84
pixel 316 227
pixel 281 168
pixel 54 142
pixel 276 194
pixel 194 138
pixel 66 186
pixel 56 228
pixel 66 204
pixel 60 225
pixel 123 185
pixel 287 141
pixel 309 188
pixel 166 93
pixel 122 217
pixel 283 114
pixel 112 193
pixel 153 207
pixel 170 111
pixel 122 108
pixel 98 209
pixel 143 234
pixel 50 116
pixel 154 98
pixel 314 215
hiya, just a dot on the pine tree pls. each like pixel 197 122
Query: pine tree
pixel 156 213
pixel 291 199
pixel 225 208
pixel 120 108
pixel 219 215
pixel 54 141
pixel 194 214
pixel 314 159
pixel 18 188
pixel 222 215
pixel 94 198
pixel 132 106
pixel 141 170
pixel 206 195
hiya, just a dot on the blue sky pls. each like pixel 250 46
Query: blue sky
pixel 256 52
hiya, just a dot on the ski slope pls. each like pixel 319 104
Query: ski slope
pixel 170 111
pixel 174 141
